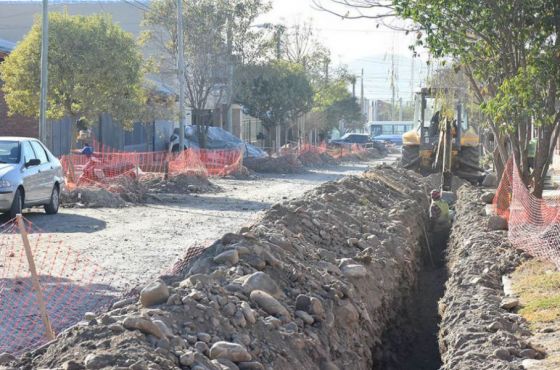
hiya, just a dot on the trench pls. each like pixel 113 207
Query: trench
pixel 410 340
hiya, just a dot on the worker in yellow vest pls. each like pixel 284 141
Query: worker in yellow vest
pixel 439 213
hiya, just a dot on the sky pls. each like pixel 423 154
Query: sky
pixel 358 43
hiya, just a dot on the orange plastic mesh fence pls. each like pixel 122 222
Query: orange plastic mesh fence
pixel 533 223
pixel 71 284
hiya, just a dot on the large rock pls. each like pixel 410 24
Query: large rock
pixel 146 326
pixel 488 197
pixel 154 293
pixel 6 358
pixel 269 304
pixel 261 281
pixel 99 361
pixel 497 223
pixel 230 257
pixel 490 181
pixel 232 351
pixel 354 271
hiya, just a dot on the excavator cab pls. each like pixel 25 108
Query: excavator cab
pixel 442 141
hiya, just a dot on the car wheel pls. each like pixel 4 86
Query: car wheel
pixel 52 207
pixel 17 204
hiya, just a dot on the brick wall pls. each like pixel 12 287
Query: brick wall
pixel 16 125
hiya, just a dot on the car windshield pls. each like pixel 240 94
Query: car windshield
pixel 9 151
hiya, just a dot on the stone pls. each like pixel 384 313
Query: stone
pixel 354 271
pixel 139 365
pixel 163 327
pixel 248 312
pixel 154 294
pixel 307 318
pixel 497 223
pixel 303 302
pixel 99 361
pixel 146 326
pixel 352 242
pixel 73 365
pixel 232 351
pixel 490 181
pixel 503 354
pixel 509 303
pixel 347 313
pixel 316 308
pixel 261 281
pixel 88 316
pixel 201 347
pixel 488 197
pixel 122 303
pixel 229 257
pixel 528 353
pixel 187 358
pixel 116 328
pixel 204 337
pixel 250 366
pixel 269 304
pixel 6 358
pixel 225 364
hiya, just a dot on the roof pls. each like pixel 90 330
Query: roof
pixel 390 122
pixel 6 46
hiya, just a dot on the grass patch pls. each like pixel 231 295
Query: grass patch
pixel 537 284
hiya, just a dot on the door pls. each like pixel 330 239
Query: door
pixel 45 173
pixel 30 175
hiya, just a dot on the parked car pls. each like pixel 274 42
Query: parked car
pixel 387 138
pixel 30 175
pixel 349 139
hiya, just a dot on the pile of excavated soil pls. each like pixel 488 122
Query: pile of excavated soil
pixel 242 173
pixel 288 163
pixel 118 193
pixel 91 197
pixel 310 286
pixel 479 329
pixel 178 184
pixel 314 159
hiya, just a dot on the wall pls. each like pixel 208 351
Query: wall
pixel 16 125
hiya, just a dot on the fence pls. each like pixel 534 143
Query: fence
pixel 70 283
pixel 534 224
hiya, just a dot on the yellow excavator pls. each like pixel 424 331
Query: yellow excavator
pixel 442 141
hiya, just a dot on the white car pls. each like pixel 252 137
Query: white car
pixel 30 175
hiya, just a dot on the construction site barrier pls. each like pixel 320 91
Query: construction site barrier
pixel 533 223
pixel 45 286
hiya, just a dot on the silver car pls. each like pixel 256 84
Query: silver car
pixel 29 176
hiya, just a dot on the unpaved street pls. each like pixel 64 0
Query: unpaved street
pixel 139 242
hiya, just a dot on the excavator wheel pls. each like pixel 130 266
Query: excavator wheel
pixel 468 166
pixel 410 158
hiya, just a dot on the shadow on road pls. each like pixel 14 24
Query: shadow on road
pixel 61 222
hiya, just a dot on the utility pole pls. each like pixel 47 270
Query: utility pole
pixel 229 118
pixel 327 62
pixel 400 109
pixel 279 32
pixel 412 80
pixel 354 86
pixel 393 86
pixel 362 93
pixel 44 73
pixel 181 74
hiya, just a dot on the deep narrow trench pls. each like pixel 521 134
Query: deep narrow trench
pixel 410 341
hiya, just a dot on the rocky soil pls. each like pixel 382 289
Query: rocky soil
pixel 310 286
pixel 478 328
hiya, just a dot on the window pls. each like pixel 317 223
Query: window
pixel 27 151
pixel 9 152
pixel 387 129
pixel 40 152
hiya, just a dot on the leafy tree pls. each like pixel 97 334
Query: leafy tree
pixel 334 103
pixel 510 52
pixel 94 67
pixel 277 93
pixel 217 35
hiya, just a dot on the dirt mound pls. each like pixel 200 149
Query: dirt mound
pixel 178 184
pixel 310 286
pixel 314 159
pixel 288 163
pixel 91 197
pixel 242 173
pixel 477 330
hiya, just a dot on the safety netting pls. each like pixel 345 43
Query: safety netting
pixel 70 283
pixel 533 223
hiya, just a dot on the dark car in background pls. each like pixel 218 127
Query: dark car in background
pixel 352 138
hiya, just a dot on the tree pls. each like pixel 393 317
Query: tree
pixel 217 35
pixel 277 93
pixel 510 52
pixel 94 67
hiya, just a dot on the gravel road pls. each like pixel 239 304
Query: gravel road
pixel 137 243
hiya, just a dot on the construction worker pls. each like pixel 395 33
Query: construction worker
pixel 439 213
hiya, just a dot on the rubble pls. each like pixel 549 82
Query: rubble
pixel 477 330
pixel 288 163
pixel 299 296
pixel 92 197
pixel 314 159
pixel 178 184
